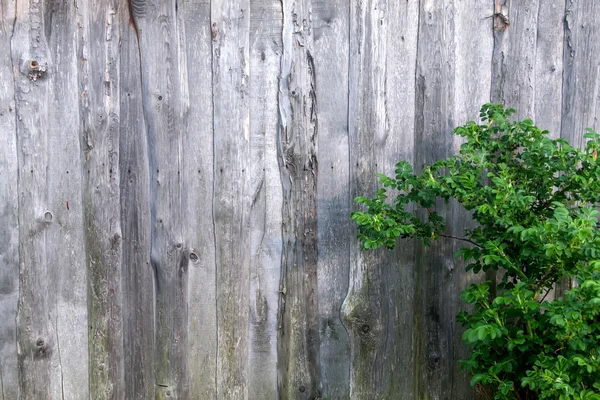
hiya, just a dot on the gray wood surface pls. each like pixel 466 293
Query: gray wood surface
pixel 197 201
pixel 52 330
pixel 231 192
pixel 164 106
pixel 298 357
pixel 514 56
pixel 365 308
pixel 9 211
pixel 581 69
pixel 138 276
pixel 176 179
pixel 266 190
pixel 100 111
pixel 435 91
pixel 330 53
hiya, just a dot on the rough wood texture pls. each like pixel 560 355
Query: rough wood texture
pixel 52 317
pixel 232 193
pixel 513 63
pixel 164 104
pixel 362 310
pixel 100 111
pixel 137 273
pixel 549 65
pixel 330 53
pixel 265 55
pixel 195 32
pixel 9 211
pixel 581 70
pixel 297 155
pixel 176 179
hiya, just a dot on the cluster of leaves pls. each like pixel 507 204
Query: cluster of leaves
pixel 533 201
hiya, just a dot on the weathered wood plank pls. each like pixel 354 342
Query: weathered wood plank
pixel 433 125
pixel 514 57
pixel 397 143
pixel 580 88
pixel 9 227
pixel 265 215
pixel 330 49
pixel 453 80
pixel 100 111
pixel 362 311
pixel 52 319
pixel 232 196
pixel 473 46
pixel 138 276
pixel 298 340
pixel 197 197
pixel 164 106
pixel 549 65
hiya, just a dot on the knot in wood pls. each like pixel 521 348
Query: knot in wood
pixel 36 70
pixel 214 32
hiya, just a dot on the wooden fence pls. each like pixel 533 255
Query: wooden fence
pixel 176 180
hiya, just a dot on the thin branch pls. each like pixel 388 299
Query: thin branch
pixel 458 238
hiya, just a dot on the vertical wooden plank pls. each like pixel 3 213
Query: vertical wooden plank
pixel 581 53
pixel 378 310
pixel 266 20
pixel 197 198
pixel 549 65
pixel 138 275
pixel 298 339
pixel 433 141
pixel 473 46
pixel 164 106
pixel 397 143
pixel 580 87
pixel 232 197
pixel 362 310
pixel 9 212
pixel 514 58
pixel 52 319
pixel 453 80
pixel 331 56
pixel 100 112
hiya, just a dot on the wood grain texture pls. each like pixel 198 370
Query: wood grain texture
pixel 137 273
pixel 514 57
pixel 473 47
pixel 434 122
pixel 581 70
pixel 397 143
pixel 232 196
pixel 164 106
pixel 453 79
pixel 100 112
pixel 9 211
pixel 52 318
pixel 176 180
pixel 379 307
pixel 266 20
pixel 549 66
pixel 362 310
pixel 197 170
pixel 331 52
pixel 298 339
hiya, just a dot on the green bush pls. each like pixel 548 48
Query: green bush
pixel 533 201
